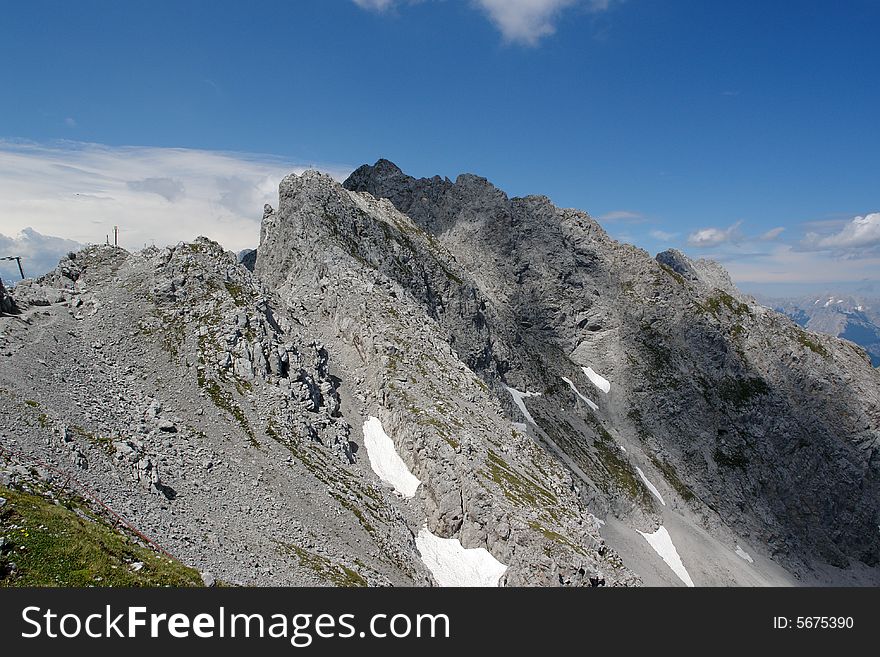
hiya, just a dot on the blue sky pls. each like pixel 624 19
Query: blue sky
pixel 743 131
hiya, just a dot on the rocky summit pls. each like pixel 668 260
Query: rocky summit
pixel 426 382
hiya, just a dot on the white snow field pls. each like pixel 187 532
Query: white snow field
pixel 385 460
pixel 588 402
pixel 743 554
pixel 599 381
pixel 453 565
pixel 662 544
pixel 651 487
pixel 518 398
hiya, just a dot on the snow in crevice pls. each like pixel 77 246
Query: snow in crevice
pixel 599 381
pixel 385 460
pixel 651 487
pixel 744 555
pixel 587 401
pixel 451 564
pixel 662 544
pixel 518 399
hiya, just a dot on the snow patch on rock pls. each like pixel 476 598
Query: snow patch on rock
pixel 587 401
pixel 385 460
pixel 744 555
pixel 662 544
pixel 518 398
pixel 599 381
pixel 651 487
pixel 453 565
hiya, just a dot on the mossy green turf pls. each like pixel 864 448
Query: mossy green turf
pixel 62 543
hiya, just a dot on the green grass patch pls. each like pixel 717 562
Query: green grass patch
pixel 717 302
pixel 675 275
pixel 670 474
pixel 238 294
pixel 104 442
pixel 223 400
pixel 621 472
pixel 334 573
pixel 557 537
pixel 63 543
pixel 805 340
pixel 518 488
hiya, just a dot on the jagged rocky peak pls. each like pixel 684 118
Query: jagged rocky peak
pixel 382 170
pixel 405 318
pixel 422 199
pixel 707 274
pixel 679 263
pixel 248 258
pixel 710 393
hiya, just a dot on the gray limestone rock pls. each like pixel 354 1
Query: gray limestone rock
pixel 219 405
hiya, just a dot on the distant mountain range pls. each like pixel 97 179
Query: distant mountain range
pixel 853 318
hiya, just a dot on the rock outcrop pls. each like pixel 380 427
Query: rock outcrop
pixel 754 423
pixel 7 303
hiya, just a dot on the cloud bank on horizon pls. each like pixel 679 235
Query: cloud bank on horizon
pixel 39 253
pixel 860 233
pixel 820 253
pixel 55 198
pixel 523 22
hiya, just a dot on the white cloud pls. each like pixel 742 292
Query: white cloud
pixel 708 237
pixel 662 235
pixel 524 22
pixel 170 189
pixel 622 215
pixel 70 121
pixel 861 232
pixel 834 252
pixel 375 5
pixel 528 21
pixel 155 195
pixel 771 234
pixel 786 264
pixel 39 253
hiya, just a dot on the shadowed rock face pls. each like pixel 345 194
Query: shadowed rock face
pixel 7 303
pixel 768 429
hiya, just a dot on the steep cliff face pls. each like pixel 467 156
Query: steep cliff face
pixel 408 329
pixel 741 416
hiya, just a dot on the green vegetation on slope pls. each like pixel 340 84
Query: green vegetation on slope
pixel 336 574
pixel 61 542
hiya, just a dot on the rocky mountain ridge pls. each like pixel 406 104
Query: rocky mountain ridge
pixel 574 411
